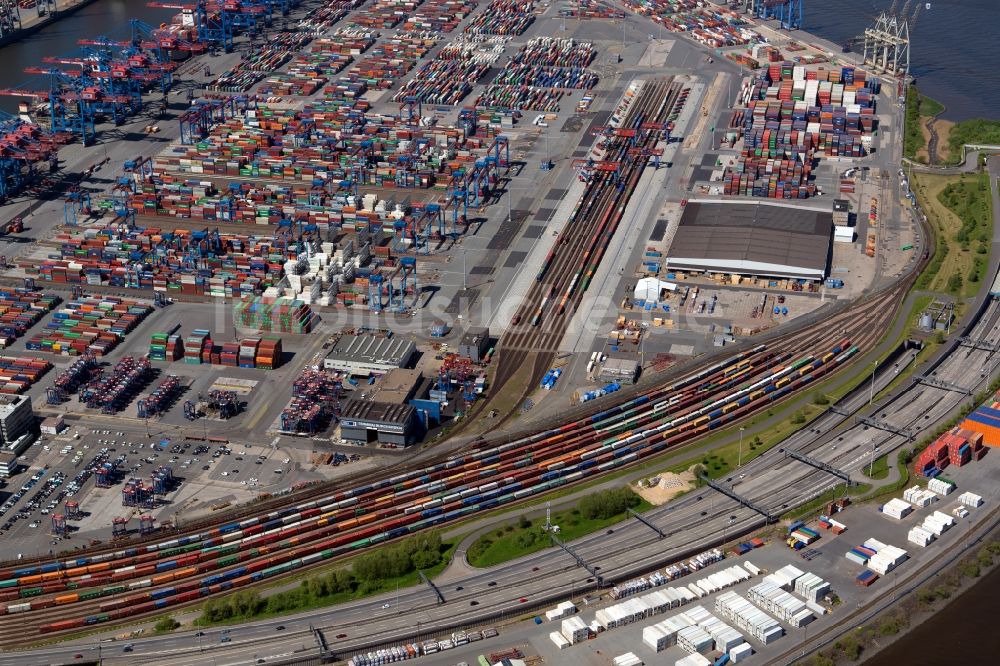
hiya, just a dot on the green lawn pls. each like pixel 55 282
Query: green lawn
pixel 879 470
pixel 976 131
pixel 297 600
pixel 527 536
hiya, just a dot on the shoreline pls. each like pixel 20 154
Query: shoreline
pixel 33 25
pixel 919 617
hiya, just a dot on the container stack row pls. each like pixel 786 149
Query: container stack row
pixel 707 23
pixel 18 374
pixel 439 15
pixel 385 14
pixel 532 78
pixel 503 17
pixel 985 421
pixel 90 325
pixel 266 57
pixel 276 315
pixel 451 75
pixel 20 309
pixel 958 446
pixel 196 345
pixel 165 347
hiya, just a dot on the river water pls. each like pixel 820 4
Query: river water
pixel 963 633
pixel 953 55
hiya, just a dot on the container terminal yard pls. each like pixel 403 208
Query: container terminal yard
pixel 412 217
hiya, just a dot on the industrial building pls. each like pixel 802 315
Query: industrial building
pixel 16 417
pixel 53 425
pixel 390 424
pixel 8 464
pixel 758 239
pixel 474 344
pixel 621 370
pixel 367 354
pixel 396 386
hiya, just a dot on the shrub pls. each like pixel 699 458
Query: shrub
pixel 166 624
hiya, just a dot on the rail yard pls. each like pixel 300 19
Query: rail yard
pixel 335 230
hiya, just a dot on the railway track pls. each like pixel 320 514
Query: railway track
pixel 542 318
pixel 113 586
pixel 326 525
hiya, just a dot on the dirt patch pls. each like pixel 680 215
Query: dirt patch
pixel 922 154
pixel 943 129
pixel 668 486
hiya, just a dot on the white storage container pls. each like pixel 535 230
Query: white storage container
pixel 740 652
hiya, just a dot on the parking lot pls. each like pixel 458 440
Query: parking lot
pixel 207 475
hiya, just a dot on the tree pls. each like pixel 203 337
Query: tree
pixel 166 624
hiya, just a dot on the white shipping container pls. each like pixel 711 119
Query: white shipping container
pixel 740 652
pixel 559 640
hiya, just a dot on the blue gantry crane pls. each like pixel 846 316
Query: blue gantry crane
pixel 787 12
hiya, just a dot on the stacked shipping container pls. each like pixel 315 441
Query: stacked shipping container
pixel 20 309
pixel 90 325
pixel 18 374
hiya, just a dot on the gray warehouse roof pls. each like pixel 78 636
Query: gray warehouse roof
pixel 378 412
pixel 755 239
pixel 372 349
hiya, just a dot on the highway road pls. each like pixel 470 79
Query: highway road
pixel 692 523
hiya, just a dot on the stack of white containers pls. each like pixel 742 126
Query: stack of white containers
pixel 886 557
pixel 694 660
pixel 940 486
pixel 785 577
pixel 938 523
pixel 970 499
pixel 918 496
pixel 897 508
pixel 811 587
pixel 775 600
pixel 748 617
pixel 559 640
pixel 627 659
pixel 694 630
pixel 575 630
pixel 694 639
pixel 722 579
pixel 740 652
pixel 565 609
pixel 919 536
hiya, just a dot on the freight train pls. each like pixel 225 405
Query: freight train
pixel 244 552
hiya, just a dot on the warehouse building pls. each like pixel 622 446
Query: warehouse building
pixel 474 344
pixel 389 424
pixel 758 239
pixel 53 425
pixel 16 418
pixel 367 354
pixel 621 370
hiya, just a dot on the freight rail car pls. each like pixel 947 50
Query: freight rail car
pixel 622 452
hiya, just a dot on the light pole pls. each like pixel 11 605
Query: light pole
pixel 871 467
pixel 739 462
pixel 871 392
